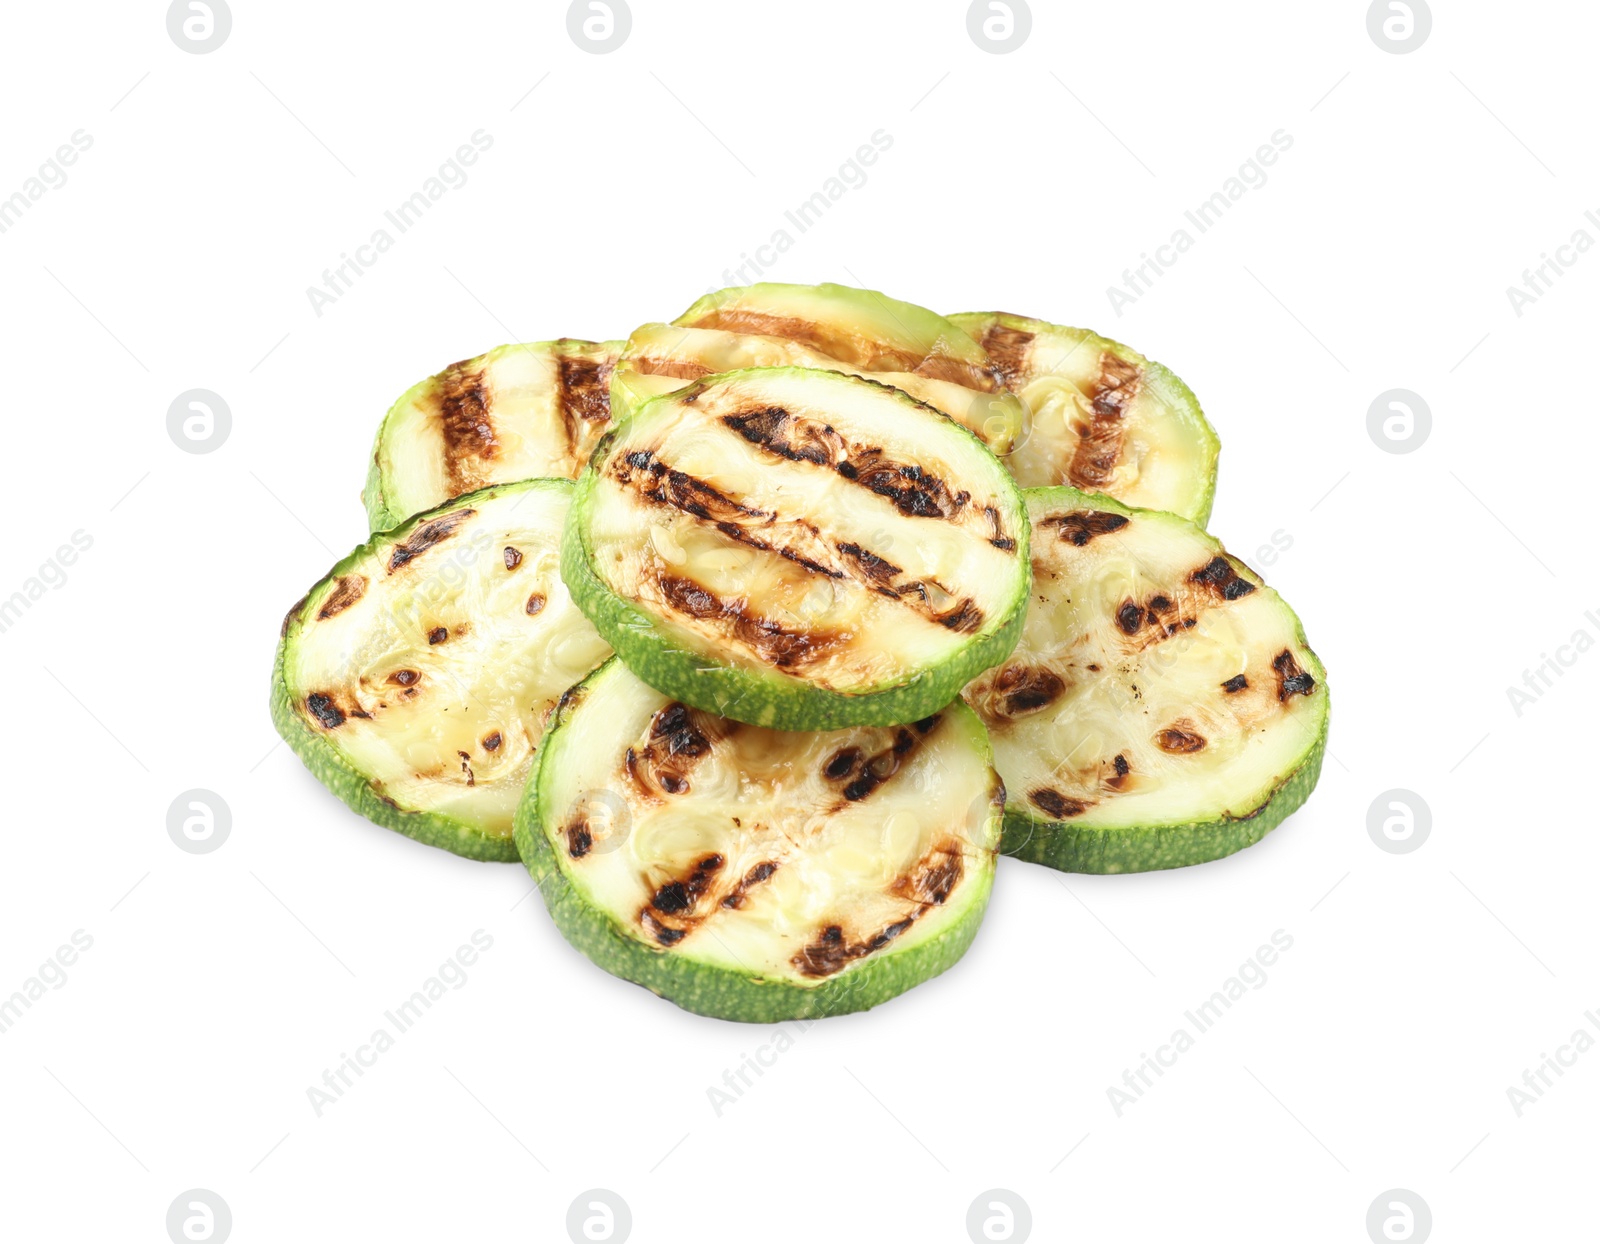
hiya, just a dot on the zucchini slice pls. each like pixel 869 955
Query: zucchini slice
pixel 1162 708
pixel 799 549
pixel 415 679
pixel 1102 418
pixel 518 412
pixel 833 327
pixel 755 875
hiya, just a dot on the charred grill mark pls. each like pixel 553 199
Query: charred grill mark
pixel 935 876
pixel 465 424
pixel 665 934
pixel 913 491
pixel 663 485
pixel 998 539
pixel 1235 684
pixel 957 371
pixel 325 710
pixel 798 440
pixel 1132 617
pixel 678 738
pixel 777 645
pixel 404 678
pixel 676 369
pixel 842 763
pixel 735 899
pixel 1219 577
pixel 845 347
pixel 878 574
pixel 513 557
pixel 491 742
pixel 1100 441
pixel 1024 689
pixel 1120 771
pixel 929 884
pixel 1180 740
pixel 585 392
pixel 927 724
pixel 1292 680
pixel 1082 526
pixel 579 839
pixel 349 589
pixel 868 776
pixel 1007 349
pixel 870 566
pixel 676 900
pixel 535 604
pixel 825 956
pixel 438 635
pixel 294 612
pixel 466 768
pixel 964 617
pixel 433 532
pixel 1054 803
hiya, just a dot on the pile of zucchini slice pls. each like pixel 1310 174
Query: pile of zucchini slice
pixel 759 635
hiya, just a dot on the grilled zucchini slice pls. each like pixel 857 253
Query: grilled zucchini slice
pixel 799 549
pixel 1102 418
pixel 518 412
pixel 415 679
pixel 1162 708
pixel 856 331
pixel 755 875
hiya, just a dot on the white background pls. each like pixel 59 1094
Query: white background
pixel 1377 255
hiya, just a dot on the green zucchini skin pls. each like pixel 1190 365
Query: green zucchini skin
pixel 768 698
pixel 761 699
pixel 524 409
pixel 1087 849
pixel 1070 845
pixel 433 829
pixel 328 764
pixel 1029 352
pixel 706 989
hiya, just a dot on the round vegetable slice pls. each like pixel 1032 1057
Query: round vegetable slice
pixel 755 875
pixel 415 679
pixel 1102 417
pixel 799 549
pixel 1162 708
pixel 518 412
pixel 856 331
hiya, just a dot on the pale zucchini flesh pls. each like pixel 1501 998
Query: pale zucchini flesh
pixel 415 679
pixel 832 327
pixel 800 549
pixel 1100 416
pixel 1162 707
pixel 752 874
pixel 521 411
